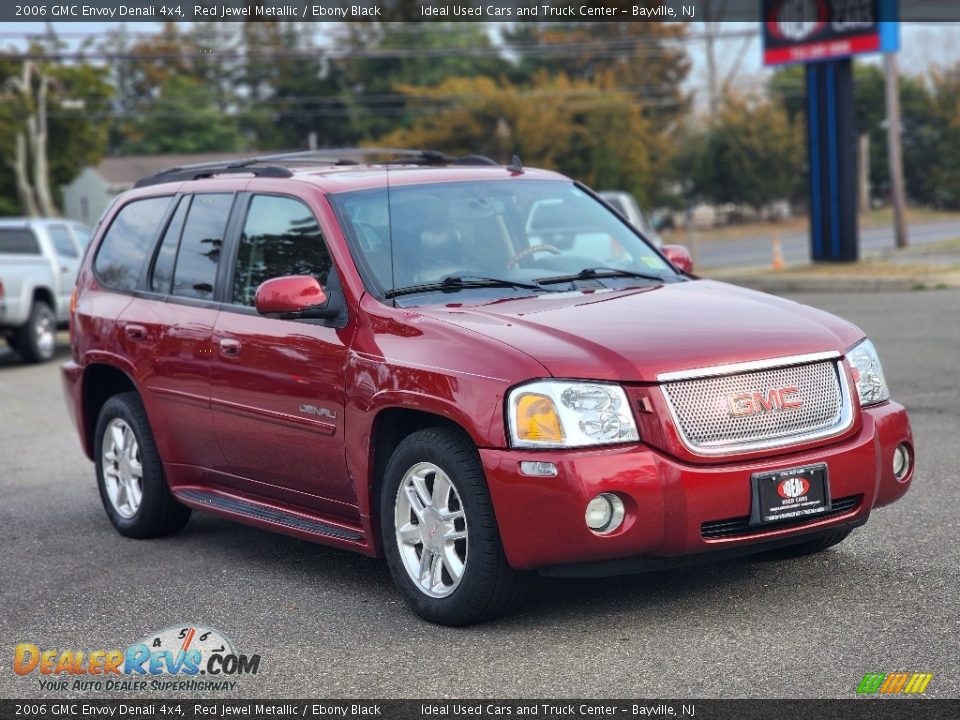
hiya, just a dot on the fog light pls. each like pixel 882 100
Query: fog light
pixel 538 468
pixel 604 513
pixel 901 461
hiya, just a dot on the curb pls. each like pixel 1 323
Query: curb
pixel 776 283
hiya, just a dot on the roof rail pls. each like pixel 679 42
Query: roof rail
pixel 179 174
pixel 272 165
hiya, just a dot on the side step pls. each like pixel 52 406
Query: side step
pixel 255 511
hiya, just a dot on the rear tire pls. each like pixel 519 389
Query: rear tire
pixel 36 340
pixel 447 581
pixel 807 548
pixel 130 477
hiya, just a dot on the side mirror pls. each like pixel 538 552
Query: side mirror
pixel 679 256
pixel 294 296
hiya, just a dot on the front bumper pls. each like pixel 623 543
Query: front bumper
pixel 541 519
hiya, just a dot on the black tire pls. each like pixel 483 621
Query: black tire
pixel 27 340
pixel 489 587
pixel 159 513
pixel 807 548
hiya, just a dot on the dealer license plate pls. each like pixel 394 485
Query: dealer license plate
pixel 790 494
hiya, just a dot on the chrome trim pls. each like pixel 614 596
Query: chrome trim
pixel 844 424
pixel 745 367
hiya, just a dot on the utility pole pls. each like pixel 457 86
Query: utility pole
pixel 894 151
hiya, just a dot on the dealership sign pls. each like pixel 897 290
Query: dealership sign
pixel 803 31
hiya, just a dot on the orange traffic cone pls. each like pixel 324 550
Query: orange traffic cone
pixel 777 253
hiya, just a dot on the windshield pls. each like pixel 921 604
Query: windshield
pixel 509 231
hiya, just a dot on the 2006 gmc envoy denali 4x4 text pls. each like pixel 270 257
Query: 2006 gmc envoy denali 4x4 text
pixel 473 370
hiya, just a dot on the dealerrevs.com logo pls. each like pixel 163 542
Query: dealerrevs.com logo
pixel 189 658
pixel 894 683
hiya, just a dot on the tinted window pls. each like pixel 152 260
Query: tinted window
pixel 280 237
pixel 18 241
pixel 127 243
pixel 200 245
pixel 62 242
pixel 163 266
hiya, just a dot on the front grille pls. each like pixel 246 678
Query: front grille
pixel 701 407
pixel 732 527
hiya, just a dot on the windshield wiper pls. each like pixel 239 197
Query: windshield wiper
pixel 595 273
pixel 455 283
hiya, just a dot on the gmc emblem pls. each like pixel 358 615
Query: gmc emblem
pixel 756 402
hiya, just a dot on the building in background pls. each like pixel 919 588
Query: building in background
pixel 89 194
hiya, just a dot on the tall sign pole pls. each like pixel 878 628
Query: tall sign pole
pixel 894 150
pixel 824 35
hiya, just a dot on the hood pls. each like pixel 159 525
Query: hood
pixel 634 335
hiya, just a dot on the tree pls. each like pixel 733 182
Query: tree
pixel 751 154
pixel 591 132
pixel 183 119
pixel 642 59
pixel 49 129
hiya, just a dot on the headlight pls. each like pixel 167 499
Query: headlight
pixel 871 387
pixel 557 413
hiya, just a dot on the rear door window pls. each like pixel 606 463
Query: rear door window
pixel 62 242
pixel 167 254
pixel 280 237
pixel 128 242
pixel 18 241
pixel 200 245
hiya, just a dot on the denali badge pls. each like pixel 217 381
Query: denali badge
pixel 756 402
pixel 318 411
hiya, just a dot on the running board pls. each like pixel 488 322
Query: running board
pixel 255 511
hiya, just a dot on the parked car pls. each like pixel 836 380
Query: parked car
pixel 396 359
pixel 39 258
pixel 626 204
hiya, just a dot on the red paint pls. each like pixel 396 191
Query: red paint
pixel 282 412
pixel 679 256
pixel 288 295
pixel 825 50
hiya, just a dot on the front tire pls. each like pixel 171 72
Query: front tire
pixel 440 534
pixel 36 340
pixel 130 477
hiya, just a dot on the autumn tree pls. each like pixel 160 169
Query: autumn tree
pixel 584 129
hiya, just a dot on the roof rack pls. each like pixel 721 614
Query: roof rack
pixel 260 166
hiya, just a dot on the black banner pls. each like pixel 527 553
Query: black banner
pixel 432 10
pixel 178 709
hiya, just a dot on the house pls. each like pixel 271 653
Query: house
pixel 89 194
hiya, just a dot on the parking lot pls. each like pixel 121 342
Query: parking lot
pixel 330 624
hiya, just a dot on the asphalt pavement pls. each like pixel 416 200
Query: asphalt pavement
pixel 757 250
pixel 327 623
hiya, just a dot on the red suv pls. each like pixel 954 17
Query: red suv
pixel 472 370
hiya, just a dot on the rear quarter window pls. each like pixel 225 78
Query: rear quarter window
pixel 129 241
pixel 18 241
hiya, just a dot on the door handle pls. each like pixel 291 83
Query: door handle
pixel 135 332
pixel 230 348
pixel 64 269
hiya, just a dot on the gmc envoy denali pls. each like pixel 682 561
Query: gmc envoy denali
pixel 475 371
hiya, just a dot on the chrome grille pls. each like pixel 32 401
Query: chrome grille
pixel 702 413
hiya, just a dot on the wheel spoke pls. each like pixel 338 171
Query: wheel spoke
pixel 117 433
pixel 427 559
pixel 441 491
pixel 134 494
pixel 455 535
pixel 136 469
pixel 409 534
pixel 416 504
pixel 420 485
pixel 453 563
